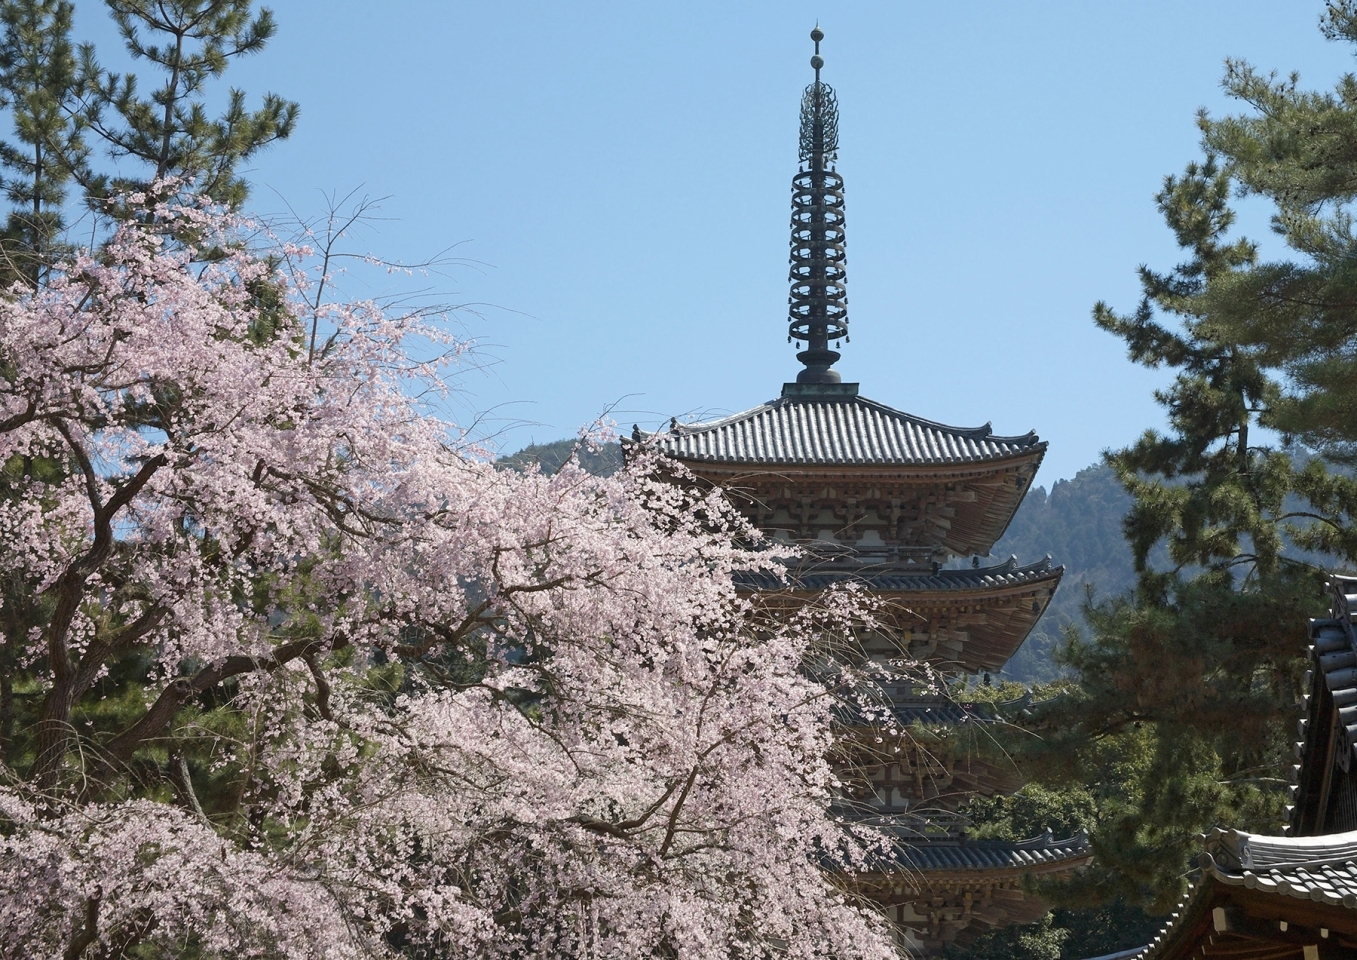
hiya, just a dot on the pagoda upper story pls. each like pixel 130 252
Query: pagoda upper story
pixel 871 494
pixel 821 463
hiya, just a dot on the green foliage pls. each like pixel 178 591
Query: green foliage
pixel 1032 811
pixel 68 113
pixel 1186 685
pixel 1038 941
pixel 38 85
pixel 1065 935
pixel 169 132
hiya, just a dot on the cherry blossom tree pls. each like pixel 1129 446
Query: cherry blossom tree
pixel 400 703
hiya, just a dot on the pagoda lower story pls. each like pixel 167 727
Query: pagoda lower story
pixel 952 891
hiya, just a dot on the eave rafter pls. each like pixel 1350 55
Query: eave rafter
pixel 956 509
pixel 956 620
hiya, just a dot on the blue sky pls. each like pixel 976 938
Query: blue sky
pixel 620 172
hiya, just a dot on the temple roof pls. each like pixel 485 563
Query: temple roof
pixel 838 429
pixel 1312 868
pixel 885 579
pixel 1004 602
pixel 936 709
pixel 1317 870
pixel 1328 728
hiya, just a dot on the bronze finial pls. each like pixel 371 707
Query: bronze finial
pixel 819 298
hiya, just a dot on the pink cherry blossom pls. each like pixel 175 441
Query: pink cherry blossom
pixel 593 745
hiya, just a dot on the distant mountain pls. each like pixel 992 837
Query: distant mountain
pixel 1078 523
pixel 602 460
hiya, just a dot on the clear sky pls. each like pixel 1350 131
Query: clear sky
pixel 621 172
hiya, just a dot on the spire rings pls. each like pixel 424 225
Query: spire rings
pixel 819 123
pixel 819 294
pixel 817 311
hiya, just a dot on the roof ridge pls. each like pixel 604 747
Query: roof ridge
pixel 1042 841
pixel 983 432
pixel 677 426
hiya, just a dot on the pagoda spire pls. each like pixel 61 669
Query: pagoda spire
pixel 818 311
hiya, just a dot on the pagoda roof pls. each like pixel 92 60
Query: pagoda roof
pixel 946 710
pixel 885 578
pixel 1001 591
pixel 953 856
pixel 835 430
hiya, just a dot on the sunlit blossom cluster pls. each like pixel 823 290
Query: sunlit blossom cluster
pixel 592 745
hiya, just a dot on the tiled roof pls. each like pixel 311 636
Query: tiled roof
pixel 1333 665
pixel 885 579
pixel 1319 869
pixel 1337 661
pixel 940 710
pixel 836 430
pixel 956 855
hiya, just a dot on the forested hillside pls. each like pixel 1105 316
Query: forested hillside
pixel 1078 523
pixel 602 460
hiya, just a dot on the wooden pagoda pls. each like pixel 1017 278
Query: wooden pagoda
pixel 888 501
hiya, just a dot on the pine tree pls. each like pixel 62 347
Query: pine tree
pixel 192 42
pixel 38 85
pixel 71 120
pixel 1179 716
pixel 1297 149
pixel 1185 690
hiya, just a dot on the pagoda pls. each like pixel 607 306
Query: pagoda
pixel 891 501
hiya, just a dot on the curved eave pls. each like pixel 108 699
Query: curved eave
pixel 1192 922
pixel 904 470
pixel 998 485
pixel 1011 603
pixel 1327 729
pixel 931 861
pixel 1332 685
pixel 840 430
pixel 1311 873
pixel 886 579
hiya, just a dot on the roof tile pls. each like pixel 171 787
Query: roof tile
pixel 836 430
pixel 885 579
pixel 945 855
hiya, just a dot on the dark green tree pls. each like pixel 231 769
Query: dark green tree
pixel 38 86
pixel 170 132
pixel 1185 690
pixel 1179 716
pixel 72 124
pixel 112 133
